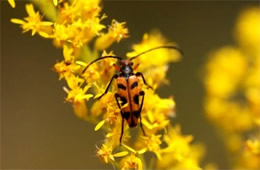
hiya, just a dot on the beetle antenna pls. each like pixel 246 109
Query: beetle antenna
pixel 155 48
pixel 101 58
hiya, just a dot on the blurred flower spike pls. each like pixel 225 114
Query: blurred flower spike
pixel 74 25
pixel 232 81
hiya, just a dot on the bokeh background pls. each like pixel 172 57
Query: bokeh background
pixel 39 130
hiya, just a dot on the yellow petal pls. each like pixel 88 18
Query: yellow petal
pixel 99 125
pixel 44 34
pixel 109 135
pixel 88 96
pixel 106 159
pixel 46 23
pixel 12 3
pixel 142 151
pixel 81 63
pixel 120 154
pixel 30 9
pixel 55 2
pixel 124 106
pixel 129 148
pixel 111 157
pixel 80 109
pixel 17 21
pixel 33 32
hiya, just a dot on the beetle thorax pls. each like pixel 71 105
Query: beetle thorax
pixel 126 68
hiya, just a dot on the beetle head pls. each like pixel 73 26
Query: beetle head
pixel 126 63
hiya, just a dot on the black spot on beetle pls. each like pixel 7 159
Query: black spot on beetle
pixel 136 114
pixel 136 99
pixel 126 115
pixel 135 84
pixel 123 100
pixel 121 86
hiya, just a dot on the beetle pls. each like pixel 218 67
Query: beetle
pixel 128 92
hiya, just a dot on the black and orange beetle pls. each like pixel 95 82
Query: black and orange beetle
pixel 128 92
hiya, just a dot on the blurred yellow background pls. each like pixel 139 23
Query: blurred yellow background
pixel 39 130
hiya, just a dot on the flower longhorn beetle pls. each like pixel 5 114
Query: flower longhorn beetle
pixel 128 92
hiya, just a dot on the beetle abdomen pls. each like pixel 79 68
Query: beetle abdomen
pixel 129 93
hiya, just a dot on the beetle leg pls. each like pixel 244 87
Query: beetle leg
pixel 118 104
pixel 135 67
pixel 114 77
pixel 140 110
pixel 122 131
pixel 116 67
pixel 141 74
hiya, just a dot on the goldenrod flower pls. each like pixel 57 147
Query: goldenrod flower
pixel 77 96
pixel 253 146
pixel 178 153
pixel 154 58
pixel 66 70
pixel 34 22
pixel 151 143
pixel 180 147
pixel 105 153
pixel 131 162
pixel 116 32
pixel 249 156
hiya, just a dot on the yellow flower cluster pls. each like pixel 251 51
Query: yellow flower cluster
pixel 73 26
pixel 232 84
pixel 155 117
